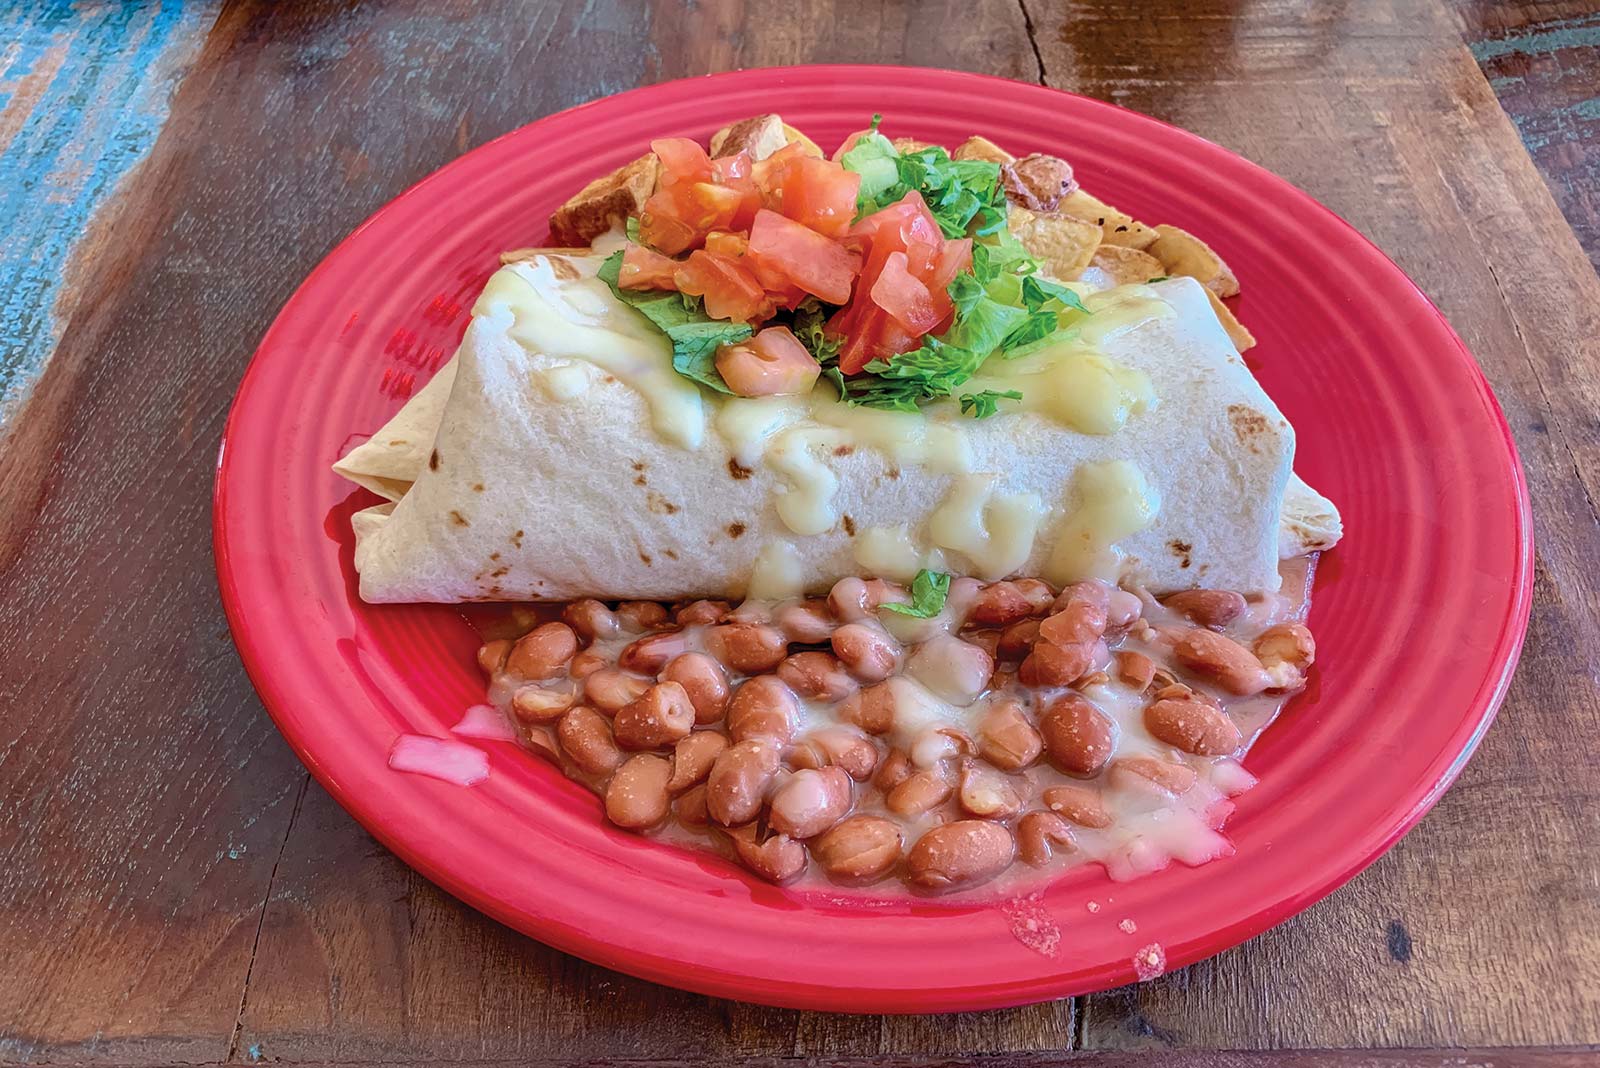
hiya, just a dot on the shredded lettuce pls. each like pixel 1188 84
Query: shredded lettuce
pixel 983 405
pixel 695 336
pixel 966 197
pixel 928 592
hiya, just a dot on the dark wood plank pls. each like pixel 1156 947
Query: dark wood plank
pixel 1481 926
pixel 1543 63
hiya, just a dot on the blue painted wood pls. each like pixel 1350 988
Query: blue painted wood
pixel 84 89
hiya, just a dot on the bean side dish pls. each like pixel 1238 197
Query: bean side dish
pixel 838 738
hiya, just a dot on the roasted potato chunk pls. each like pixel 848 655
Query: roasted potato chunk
pixel 604 202
pixel 759 135
pixel 1120 227
pixel 976 147
pixel 1064 245
pixel 1183 253
pixel 1126 266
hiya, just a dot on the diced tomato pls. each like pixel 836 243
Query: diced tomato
pixel 772 363
pixel 820 194
pixel 870 333
pixel 955 257
pixel 724 243
pixel 730 291
pixel 682 160
pixel 770 173
pixel 644 268
pixel 904 296
pixel 727 169
pixel 662 225
pixel 818 265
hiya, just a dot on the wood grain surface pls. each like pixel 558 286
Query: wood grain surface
pixel 174 889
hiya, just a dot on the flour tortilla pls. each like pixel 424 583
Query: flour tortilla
pixel 516 495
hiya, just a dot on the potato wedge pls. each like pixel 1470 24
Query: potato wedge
pixel 792 135
pixel 1120 227
pixel 1242 338
pixel 604 202
pixel 1183 253
pixel 1063 245
pixel 976 147
pixel 1126 266
pixel 907 145
pixel 522 255
pixel 759 135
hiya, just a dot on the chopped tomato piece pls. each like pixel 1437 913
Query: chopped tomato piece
pixel 955 257
pixel 821 267
pixel 772 363
pixel 644 268
pixel 769 173
pixel 730 291
pixel 662 226
pixel 820 194
pixel 724 243
pixel 870 333
pixel 682 160
pixel 908 220
pixel 904 296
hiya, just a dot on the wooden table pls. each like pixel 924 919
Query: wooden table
pixel 174 889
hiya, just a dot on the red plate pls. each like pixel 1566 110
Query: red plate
pixel 1396 425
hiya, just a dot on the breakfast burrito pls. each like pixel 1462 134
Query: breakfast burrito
pixel 559 455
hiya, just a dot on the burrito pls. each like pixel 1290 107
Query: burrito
pixel 559 455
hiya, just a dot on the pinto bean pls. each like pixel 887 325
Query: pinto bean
pixel 703 679
pixel 585 737
pixel 748 648
pixel 543 652
pixel 641 615
pixel 999 604
pixel 586 663
pixel 740 777
pixel 1039 834
pixel 950 668
pixel 895 769
pixel 591 620
pixel 859 848
pixel 1208 608
pixel 872 709
pixel 690 807
pixel 692 758
pixel 920 790
pixel 1221 660
pixel 959 854
pixel 1122 610
pixel 1016 641
pixel 1005 737
pixel 1193 725
pixel 1079 804
pixel 1135 668
pixel 1078 623
pixel 636 796
pixel 1078 737
pixel 806 622
pixel 661 716
pixel 1286 650
pixel 492 655
pixel 1037 593
pixel 763 707
pixel 1049 664
pixel 543 704
pixel 651 653
pixel 778 859
pixel 853 599
pixel 609 689
pixel 1090 592
pixel 1145 772
pixel 701 612
pixel 841 746
pixel 817 675
pixel 809 802
pixel 988 794
pixel 866 652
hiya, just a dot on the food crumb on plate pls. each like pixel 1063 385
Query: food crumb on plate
pixel 439 758
pixel 1128 926
pixel 1032 925
pixel 1150 962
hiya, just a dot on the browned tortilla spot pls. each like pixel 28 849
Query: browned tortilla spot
pixel 497 572
pixel 1181 549
pixel 562 268
pixel 433 460
pixel 843 450
pixel 735 530
pixel 737 469
pixel 477 487
pixel 849 526
pixel 494 556
pixel 458 519
pixel 645 557
pixel 516 539
pixel 1248 425
pixel 660 505
pixel 638 465
pixel 609 379
pixel 397 441
pixel 893 472
pixel 639 480
pixel 670 554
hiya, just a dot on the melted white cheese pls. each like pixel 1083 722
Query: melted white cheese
pixel 1114 501
pixel 995 532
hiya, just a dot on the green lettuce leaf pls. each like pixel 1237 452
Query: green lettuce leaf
pixel 983 405
pixel 928 592
pixel 695 336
